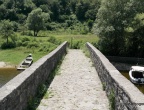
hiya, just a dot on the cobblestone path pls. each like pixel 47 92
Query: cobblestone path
pixel 76 87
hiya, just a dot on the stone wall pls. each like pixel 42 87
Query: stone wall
pixel 17 92
pixel 126 95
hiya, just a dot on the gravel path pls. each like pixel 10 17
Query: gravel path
pixel 77 87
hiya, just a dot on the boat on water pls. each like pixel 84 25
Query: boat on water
pixel 136 74
pixel 26 63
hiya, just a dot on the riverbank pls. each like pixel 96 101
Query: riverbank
pixel 123 66
pixel 6 65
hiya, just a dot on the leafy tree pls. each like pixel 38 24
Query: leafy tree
pixel 55 9
pixel 112 19
pixel 36 20
pixel 40 2
pixel 3 12
pixel 136 39
pixel 28 6
pixel 65 7
pixel 1 2
pixel 6 29
pixel 81 9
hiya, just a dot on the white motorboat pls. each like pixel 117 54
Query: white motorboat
pixel 26 63
pixel 136 74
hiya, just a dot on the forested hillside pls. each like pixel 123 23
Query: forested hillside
pixel 70 14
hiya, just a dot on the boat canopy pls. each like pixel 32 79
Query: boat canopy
pixel 137 68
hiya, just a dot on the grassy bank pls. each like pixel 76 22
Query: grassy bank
pixel 42 45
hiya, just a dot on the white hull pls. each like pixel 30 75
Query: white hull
pixel 136 75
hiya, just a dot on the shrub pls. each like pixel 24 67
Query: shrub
pixel 111 98
pixel 54 40
pixel 76 44
pixel 94 44
pixel 25 39
pixel 25 43
pixel 27 33
pixel 53 26
pixel 47 47
pixel 32 44
pixel 19 43
pixel 8 45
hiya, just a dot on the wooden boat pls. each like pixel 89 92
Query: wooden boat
pixel 26 63
pixel 136 74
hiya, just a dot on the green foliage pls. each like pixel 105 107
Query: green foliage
pixel 47 47
pixel 103 86
pixel 85 51
pixel 32 45
pixel 76 44
pixel 111 98
pixel 55 15
pixel 8 45
pixel 114 19
pixel 54 40
pixel 34 101
pixel 135 40
pixel 36 20
pixel 25 39
pixel 6 29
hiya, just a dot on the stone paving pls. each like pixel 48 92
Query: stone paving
pixel 76 87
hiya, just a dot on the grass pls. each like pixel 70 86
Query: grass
pixel 71 38
pixel 48 94
pixel 16 55
pixel 86 51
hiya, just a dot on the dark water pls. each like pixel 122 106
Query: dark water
pixel 140 87
pixel 6 74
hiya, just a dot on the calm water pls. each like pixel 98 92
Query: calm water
pixel 6 74
pixel 140 87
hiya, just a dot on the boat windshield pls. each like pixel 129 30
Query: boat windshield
pixel 137 74
pixel 28 59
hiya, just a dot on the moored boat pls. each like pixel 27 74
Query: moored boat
pixel 136 74
pixel 26 63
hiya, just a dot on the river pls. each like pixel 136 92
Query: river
pixel 6 74
pixel 126 74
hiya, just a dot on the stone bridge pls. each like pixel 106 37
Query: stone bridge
pixel 80 84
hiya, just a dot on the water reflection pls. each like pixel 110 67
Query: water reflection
pixel 6 74
pixel 140 87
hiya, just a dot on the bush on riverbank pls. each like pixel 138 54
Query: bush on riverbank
pixel 8 45
pixel 40 46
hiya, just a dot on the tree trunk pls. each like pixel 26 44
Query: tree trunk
pixel 34 33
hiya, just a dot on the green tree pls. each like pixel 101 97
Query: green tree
pixel 55 9
pixel 136 39
pixel 113 17
pixel 3 12
pixel 36 20
pixel 6 29
pixel 81 9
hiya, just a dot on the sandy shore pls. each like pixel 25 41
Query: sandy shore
pixel 6 65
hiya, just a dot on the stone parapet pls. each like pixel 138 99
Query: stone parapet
pixel 126 95
pixel 16 94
